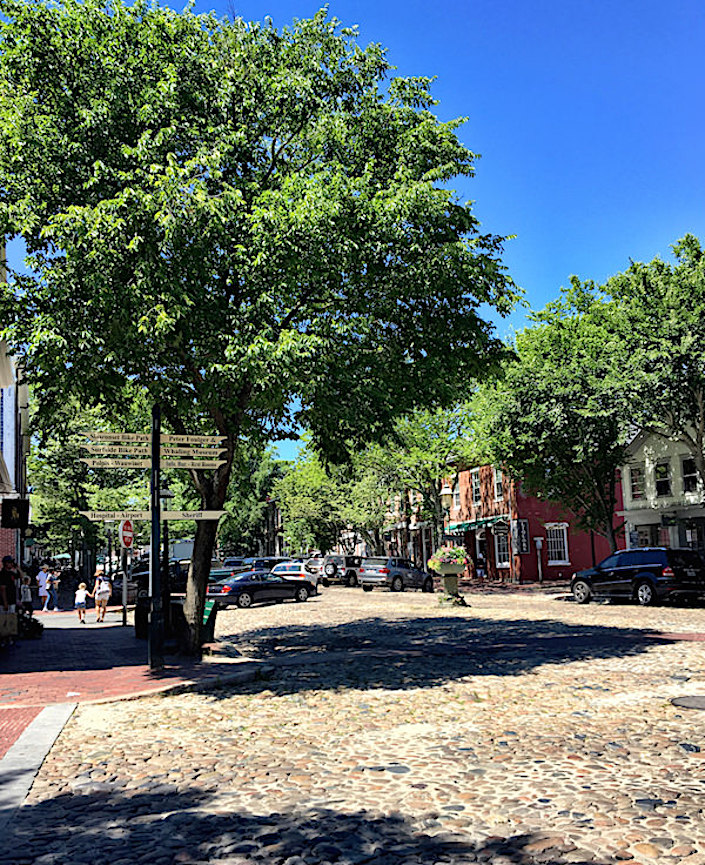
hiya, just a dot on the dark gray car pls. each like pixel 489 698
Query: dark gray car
pixel 393 573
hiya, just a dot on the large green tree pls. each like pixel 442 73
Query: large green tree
pixel 559 418
pixel 231 216
pixel 660 321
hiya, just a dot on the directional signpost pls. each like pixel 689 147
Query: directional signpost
pixel 112 450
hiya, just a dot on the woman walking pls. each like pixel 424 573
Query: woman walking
pixel 101 592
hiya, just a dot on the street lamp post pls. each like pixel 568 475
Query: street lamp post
pixel 446 497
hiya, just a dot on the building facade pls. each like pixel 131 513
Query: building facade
pixel 514 537
pixel 663 495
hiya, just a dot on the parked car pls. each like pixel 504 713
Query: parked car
pixel 647 575
pixel 314 566
pixel 133 590
pixel 253 587
pixel 395 574
pixel 140 575
pixel 233 562
pixel 341 569
pixel 296 570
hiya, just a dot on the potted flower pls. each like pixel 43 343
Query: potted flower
pixel 449 562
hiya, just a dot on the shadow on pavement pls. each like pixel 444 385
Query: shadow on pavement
pixel 176 827
pixel 421 652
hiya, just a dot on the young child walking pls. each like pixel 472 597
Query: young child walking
pixel 81 595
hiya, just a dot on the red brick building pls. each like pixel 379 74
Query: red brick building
pixel 514 537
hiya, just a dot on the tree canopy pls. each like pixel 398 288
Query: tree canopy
pixel 231 216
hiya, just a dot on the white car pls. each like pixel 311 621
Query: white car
pixel 296 570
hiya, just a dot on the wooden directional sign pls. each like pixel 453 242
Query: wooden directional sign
pixel 192 464
pixel 119 450
pixel 192 515
pixel 98 516
pixel 117 464
pixel 169 451
pixel 128 463
pixel 168 439
pixel 165 438
pixel 118 437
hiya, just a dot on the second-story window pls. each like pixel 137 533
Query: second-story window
pixel 690 475
pixel 475 486
pixel 456 494
pixel 662 476
pixel 636 482
pixel 498 487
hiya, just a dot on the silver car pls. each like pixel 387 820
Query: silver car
pixel 395 574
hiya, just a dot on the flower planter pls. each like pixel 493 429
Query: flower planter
pixel 451 568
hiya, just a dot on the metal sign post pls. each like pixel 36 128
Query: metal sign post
pixel 155 643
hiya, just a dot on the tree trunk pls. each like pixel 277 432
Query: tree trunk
pixel 196 585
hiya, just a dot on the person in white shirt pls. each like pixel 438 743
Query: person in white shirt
pixel 81 595
pixel 42 578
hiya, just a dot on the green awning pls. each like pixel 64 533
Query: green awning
pixel 477 524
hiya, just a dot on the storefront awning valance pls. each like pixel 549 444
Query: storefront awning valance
pixel 481 523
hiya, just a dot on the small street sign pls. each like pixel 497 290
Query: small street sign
pixel 117 464
pixel 118 450
pixel 192 464
pixel 169 451
pixel 192 515
pixel 167 438
pixel 118 437
pixel 98 516
pixel 126 533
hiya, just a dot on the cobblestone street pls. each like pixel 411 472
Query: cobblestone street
pixel 524 729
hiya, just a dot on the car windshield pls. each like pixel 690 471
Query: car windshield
pixel 376 562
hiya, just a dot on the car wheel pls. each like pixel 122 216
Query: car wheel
pixel 582 592
pixel 645 594
pixel 427 585
pixel 367 588
pixel 397 585
pixel 351 580
pixel 330 569
pixel 245 600
pixel 301 594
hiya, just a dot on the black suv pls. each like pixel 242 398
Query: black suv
pixel 646 575
pixel 341 569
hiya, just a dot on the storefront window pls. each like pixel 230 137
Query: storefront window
pixel 501 550
pixel 557 544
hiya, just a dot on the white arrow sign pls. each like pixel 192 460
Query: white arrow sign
pixel 169 451
pixel 167 438
pixel 117 450
pixel 192 515
pixel 98 516
pixel 118 437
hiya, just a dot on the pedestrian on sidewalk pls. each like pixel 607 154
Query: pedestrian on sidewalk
pixel 8 586
pixel 101 592
pixel 53 592
pixel 81 595
pixel 42 577
pixel 26 596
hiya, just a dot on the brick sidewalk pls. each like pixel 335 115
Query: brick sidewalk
pixel 91 663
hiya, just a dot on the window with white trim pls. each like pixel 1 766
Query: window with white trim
pixel 662 476
pixel 456 494
pixel 690 475
pixel 498 486
pixel 501 550
pixel 557 544
pixel 636 482
pixel 475 486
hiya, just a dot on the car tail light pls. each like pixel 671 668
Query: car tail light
pixel 383 571
pixel 668 572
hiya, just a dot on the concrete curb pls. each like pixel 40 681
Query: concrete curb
pixel 24 758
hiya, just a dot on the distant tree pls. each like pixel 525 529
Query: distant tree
pixel 559 420
pixel 425 448
pixel 230 217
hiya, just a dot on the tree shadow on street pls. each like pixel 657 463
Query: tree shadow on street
pixel 174 828
pixel 423 652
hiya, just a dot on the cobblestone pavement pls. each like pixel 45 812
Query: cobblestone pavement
pixel 524 729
